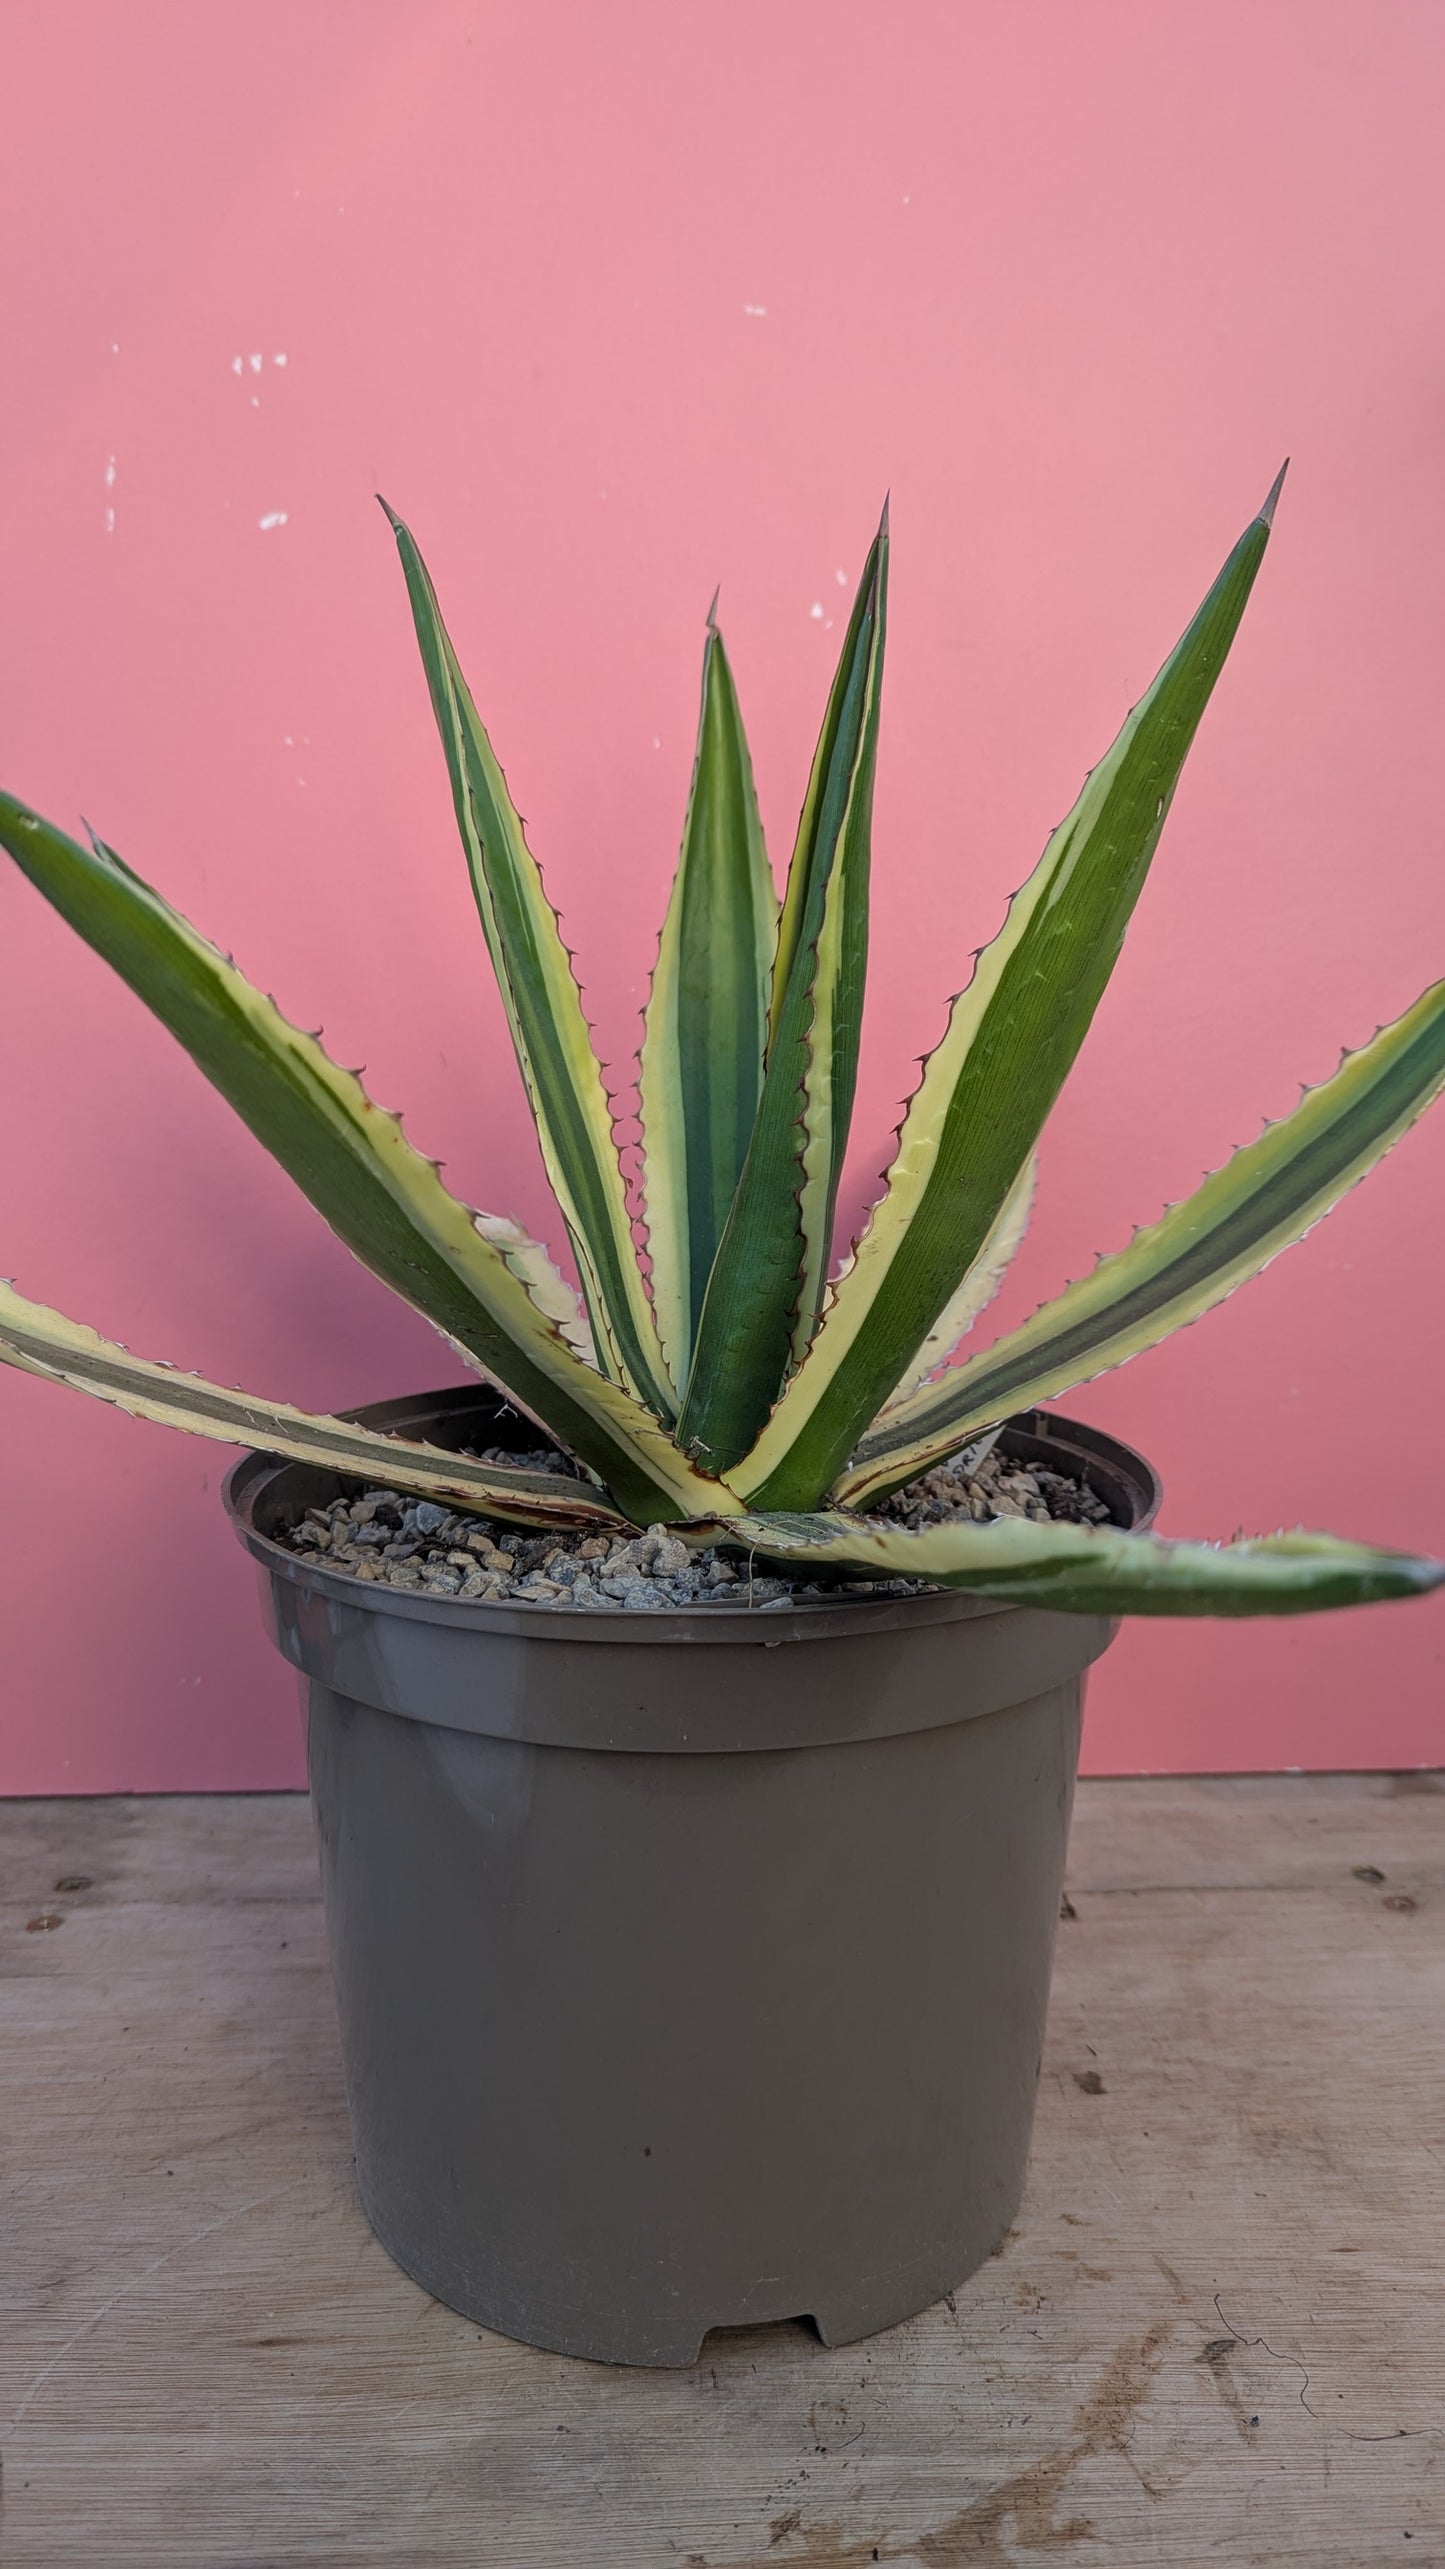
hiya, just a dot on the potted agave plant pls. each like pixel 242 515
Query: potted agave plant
pixel 694 1700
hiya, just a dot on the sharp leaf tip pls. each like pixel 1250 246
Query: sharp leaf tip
pixel 1267 512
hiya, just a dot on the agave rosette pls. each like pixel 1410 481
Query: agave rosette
pixel 746 1383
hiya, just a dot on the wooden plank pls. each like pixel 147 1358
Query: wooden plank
pixel 1219 2332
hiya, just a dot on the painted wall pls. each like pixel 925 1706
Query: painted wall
pixel 617 302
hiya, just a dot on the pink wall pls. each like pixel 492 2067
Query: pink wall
pixel 615 302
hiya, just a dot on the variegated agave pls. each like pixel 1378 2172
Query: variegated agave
pixel 735 1387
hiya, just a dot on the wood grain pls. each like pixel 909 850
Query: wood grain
pixel 1218 2334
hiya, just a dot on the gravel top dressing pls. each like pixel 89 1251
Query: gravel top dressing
pixel 398 1542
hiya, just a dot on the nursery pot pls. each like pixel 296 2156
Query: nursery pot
pixel 691 1966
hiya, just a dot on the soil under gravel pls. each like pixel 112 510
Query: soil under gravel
pixel 387 1539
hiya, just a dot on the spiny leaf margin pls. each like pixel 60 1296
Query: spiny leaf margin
pixel 380 1195
pixel 553 1043
pixel 1267 1196
pixel 38 1340
pixel 988 1087
pixel 1074 1569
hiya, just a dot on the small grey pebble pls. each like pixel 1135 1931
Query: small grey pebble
pixel 662 1555
pixel 639 1594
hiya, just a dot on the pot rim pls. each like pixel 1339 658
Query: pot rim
pixel 256 1484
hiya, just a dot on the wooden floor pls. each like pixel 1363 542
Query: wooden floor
pixel 1218 2334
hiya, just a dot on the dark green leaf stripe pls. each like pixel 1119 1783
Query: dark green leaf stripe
pixel 706 1023
pixel 544 1010
pixel 986 1091
pixel 1099 1569
pixel 1266 1197
pixel 767 1280
pixel 380 1196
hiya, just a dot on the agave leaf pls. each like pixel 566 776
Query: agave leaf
pixel 382 1197
pixel 977 1289
pixel 768 1278
pixel 706 1023
pixel 1076 1569
pixel 986 1091
pixel 1267 1196
pixel 40 1341
pixel 544 1010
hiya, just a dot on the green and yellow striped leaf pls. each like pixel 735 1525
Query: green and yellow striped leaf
pixel 382 1197
pixel 544 1011
pixel 768 1279
pixel 986 1091
pixel 1101 1570
pixel 977 1289
pixel 39 1341
pixel 705 1030
pixel 1267 1196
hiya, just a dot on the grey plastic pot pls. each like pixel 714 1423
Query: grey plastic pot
pixel 692 1967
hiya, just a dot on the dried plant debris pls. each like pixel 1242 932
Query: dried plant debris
pixel 387 1539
